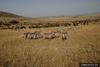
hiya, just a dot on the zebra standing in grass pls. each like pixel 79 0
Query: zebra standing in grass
pixel 64 36
pixel 34 35
pixel 31 35
pixel 47 35
pixel 26 34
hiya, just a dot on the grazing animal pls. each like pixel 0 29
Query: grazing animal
pixel 16 27
pixel 55 34
pixel 49 35
pixel 64 35
pixel 34 35
pixel 31 35
pixel 26 34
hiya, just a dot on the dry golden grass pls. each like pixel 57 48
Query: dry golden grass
pixel 82 46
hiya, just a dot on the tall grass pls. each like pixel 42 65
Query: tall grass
pixel 82 46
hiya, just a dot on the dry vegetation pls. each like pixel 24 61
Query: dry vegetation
pixel 24 22
pixel 82 45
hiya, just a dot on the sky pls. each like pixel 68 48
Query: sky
pixel 38 8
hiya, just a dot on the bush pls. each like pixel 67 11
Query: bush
pixel 13 22
pixel 23 27
pixel 1 22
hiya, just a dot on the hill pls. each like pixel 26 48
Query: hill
pixel 7 14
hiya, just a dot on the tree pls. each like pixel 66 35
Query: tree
pixel 14 22
pixel 1 22
pixel 8 25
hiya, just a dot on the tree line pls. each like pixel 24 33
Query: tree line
pixel 16 23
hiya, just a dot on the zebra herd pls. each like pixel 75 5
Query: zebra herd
pixel 62 33
pixel 46 35
pixel 31 35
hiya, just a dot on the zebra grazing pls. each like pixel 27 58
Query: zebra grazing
pixel 34 35
pixel 31 35
pixel 49 35
pixel 55 34
pixel 26 34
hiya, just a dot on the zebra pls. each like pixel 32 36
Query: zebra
pixel 31 35
pixel 34 35
pixel 27 34
pixel 49 35
pixel 64 35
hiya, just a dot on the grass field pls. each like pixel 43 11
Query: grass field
pixel 82 46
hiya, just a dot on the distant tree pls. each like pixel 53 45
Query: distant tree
pixel 8 25
pixel 23 27
pixel 1 22
pixel 66 24
pixel 14 22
